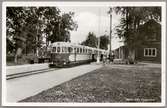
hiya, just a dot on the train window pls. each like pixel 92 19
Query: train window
pixel 80 50
pixel 66 49
pixel 58 49
pixel 70 49
pixel 77 50
pixel 63 49
pixel 89 50
pixel 83 50
pixel 54 49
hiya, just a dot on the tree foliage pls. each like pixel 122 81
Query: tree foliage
pixel 104 41
pixel 132 18
pixel 35 23
pixel 91 40
pixel 28 26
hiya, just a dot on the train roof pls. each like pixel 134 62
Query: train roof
pixel 69 44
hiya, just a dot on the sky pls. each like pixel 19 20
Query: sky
pixel 92 19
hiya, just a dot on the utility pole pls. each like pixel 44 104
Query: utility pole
pixel 110 12
pixel 98 46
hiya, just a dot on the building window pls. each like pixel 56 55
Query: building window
pixel 150 52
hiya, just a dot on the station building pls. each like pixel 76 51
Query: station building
pixel 150 47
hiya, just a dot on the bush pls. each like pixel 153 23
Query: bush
pixel 10 58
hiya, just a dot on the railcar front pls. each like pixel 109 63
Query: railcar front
pixel 59 54
pixel 64 54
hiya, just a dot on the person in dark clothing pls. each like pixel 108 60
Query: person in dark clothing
pixel 112 57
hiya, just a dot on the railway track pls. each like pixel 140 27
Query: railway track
pixel 28 73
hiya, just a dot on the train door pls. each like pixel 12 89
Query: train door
pixel 93 57
pixel 101 57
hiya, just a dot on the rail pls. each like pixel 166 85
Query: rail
pixel 18 75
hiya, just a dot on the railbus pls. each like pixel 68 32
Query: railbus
pixel 65 54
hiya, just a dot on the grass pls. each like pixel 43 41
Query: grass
pixel 122 83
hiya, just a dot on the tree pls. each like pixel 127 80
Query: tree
pixel 64 25
pixel 104 41
pixel 10 46
pixel 52 21
pixel 132 18
pixel 14 22
pixel 91 40
pixel 23 27
pixel 27 26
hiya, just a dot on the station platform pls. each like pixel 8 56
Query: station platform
pixel 21 88
pixel 24 68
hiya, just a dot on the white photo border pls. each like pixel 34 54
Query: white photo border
pixel 108 3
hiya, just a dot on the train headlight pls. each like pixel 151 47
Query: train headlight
pixel 64 63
